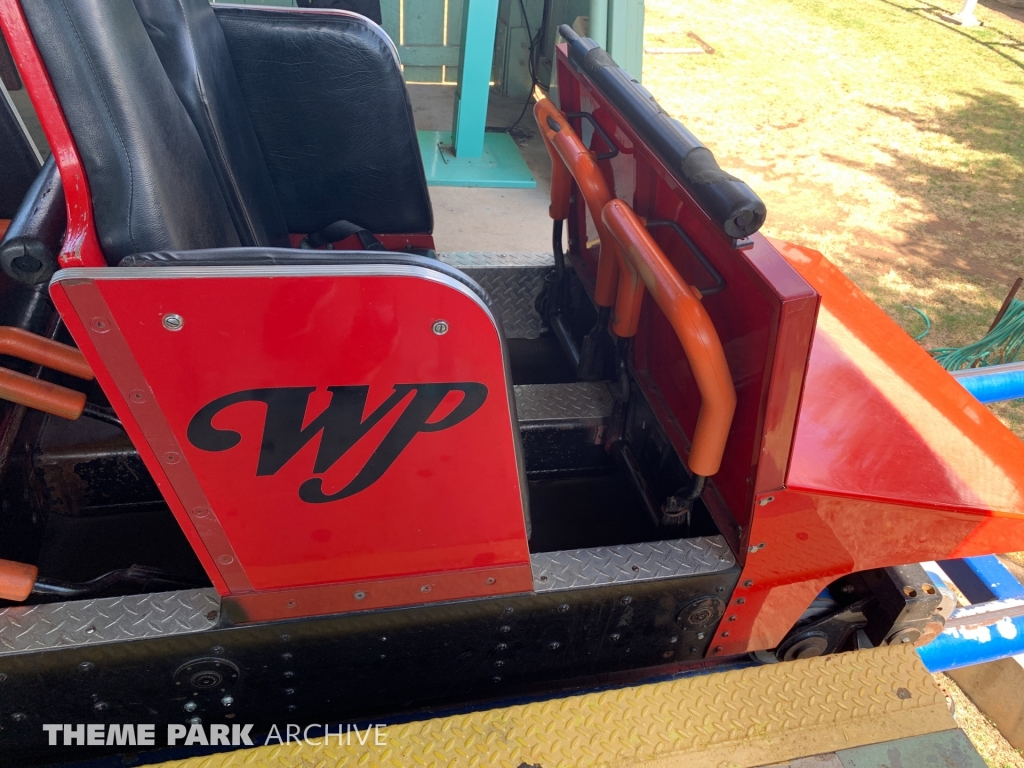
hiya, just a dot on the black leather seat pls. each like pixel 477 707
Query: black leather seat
pixel 200 130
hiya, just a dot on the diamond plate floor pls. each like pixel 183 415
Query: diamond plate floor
pixel 740 718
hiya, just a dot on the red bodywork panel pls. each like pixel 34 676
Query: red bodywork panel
pixel 850 449
pixel 407 466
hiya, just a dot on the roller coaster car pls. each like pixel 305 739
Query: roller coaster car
pixel 324 473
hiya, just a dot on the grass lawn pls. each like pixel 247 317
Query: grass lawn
pixel 879 135
pixel 875 133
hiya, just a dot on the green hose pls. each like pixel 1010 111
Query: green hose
pixel 1003 344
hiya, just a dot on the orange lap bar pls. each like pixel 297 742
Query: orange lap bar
pixel 41 395
pixel 16 580
pixel 681 305
pixel 571 160
pixel 42 351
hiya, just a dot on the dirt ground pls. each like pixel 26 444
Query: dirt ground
pixel 880 135
pixel 876 133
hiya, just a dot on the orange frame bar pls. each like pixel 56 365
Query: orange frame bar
pixel 644 260
pixel 571 160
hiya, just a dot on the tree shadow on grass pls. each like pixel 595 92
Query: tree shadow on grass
pixel 970 193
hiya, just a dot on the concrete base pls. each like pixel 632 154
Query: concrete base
pixel 481 219
pixel 995 689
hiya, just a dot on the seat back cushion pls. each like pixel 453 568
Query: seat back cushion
pixel 153 186
pixel 190 44
pixel 330 109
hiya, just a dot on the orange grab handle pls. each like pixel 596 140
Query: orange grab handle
pixel 681 305
pixel 571 160
pixel 41 395
pixel 42 351
pixel 16 580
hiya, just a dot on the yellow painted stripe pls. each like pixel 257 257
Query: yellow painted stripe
pixel 741 718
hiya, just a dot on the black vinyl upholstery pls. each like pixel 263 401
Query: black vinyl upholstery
pixel 329 105
pixel 175 121
pixel 152 184
pixel 191 47
pixel 18 162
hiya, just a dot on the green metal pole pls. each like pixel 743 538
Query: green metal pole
pixel 599 22
pixel 476 53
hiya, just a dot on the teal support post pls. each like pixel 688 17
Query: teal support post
pixel 476 52
pixel 599 22
pixel 626 34
pixel 468 156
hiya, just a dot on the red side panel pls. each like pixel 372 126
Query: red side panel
pixel 893 462
pixel 764 317
pixel 312 427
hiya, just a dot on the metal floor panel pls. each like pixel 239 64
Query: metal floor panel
pixel 583 402
pixel 626 563
pixel 27 628
pixel 741 718
pixel 513 281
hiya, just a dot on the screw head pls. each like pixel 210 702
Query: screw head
pixel 425 588
pixel 502 647
pixel 440 327
pixel 195 720
pixel 172 458
pixel 200 511
pixel 490 580
pixel 190 706
pixel 173 322
pixel 100 324
pixel 138 396
pixel 227 701
pixel 554 645
pixel 614 636
pixel 563 608
pixel 86 666
pixel 19 717
pixel 360 595
pixel 627 600
pixel 225 559
pixel 748 583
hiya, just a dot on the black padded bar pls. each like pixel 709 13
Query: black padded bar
pixel 30 247
pixel 729 202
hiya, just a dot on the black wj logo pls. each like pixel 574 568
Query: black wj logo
pixel 342 425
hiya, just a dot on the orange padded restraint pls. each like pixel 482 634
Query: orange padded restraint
pixel 33 392
pixel 571 160
pixel 681 305
pixel 16 580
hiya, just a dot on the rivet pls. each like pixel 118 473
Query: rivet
pixel 627 600
pixel 360 595
pixel 554 645
pixel 291 707
pixel 289 674
pixel 501 647
pixel 173 322
pixel 86 666
pixel 563 608
pixel 725 634
pixel 614 636
pixel 700 635
pixel 741 600
pixel 195 720
pixel 227 701
pixel 286 656
pixel 732 618
pixel 291 604
pixel 440 327
pixel 673 639
pixel 225 559
pixel 285 639
pixel 289 691
pixel 505 628
pixel 499 663
pixel 496 679
pixel 190 706
pixel 100 324
pixel 490 580
pixel 748 583
pixel 19 717
pixel 217 649
pixel 718 649
pixel 425 588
